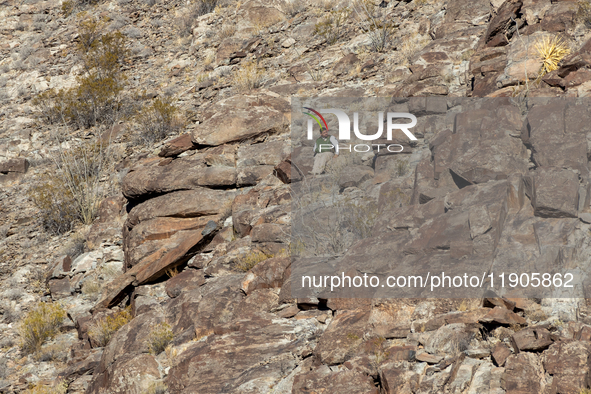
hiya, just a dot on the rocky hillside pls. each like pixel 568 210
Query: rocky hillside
pixel 146 195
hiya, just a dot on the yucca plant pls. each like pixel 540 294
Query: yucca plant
pixel 551 51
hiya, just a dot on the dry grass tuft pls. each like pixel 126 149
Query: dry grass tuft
pixel 248 77
pixel 250 260
pixel 551 52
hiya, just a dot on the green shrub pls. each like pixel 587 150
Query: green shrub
pixel 158 120
pixel 160 337
pixel 40 324
pixel 103 330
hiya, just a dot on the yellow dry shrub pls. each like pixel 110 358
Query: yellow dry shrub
pixel 40 324
pixel 102 331
pixel 158 120
pixel 551 51
pixel 60 388
pixel 248 77
pixel 160 337
pixel 250 260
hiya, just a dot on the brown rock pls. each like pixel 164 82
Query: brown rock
pixel 184 281
pixel 555 193
pixel 130 373
pixel 60 288
pixel 61 268
pixel 267 274
pixel 334 382
pixel 532 339
pixel 342 338
pixel 269 232
pixel 355 175
pixel 523 374
pixel 425 357
pixel 500 353
pixel 241 117
pixel 502 315
pixel 267 153
pixel 18 165
pixel 345 64
pixel 177 146
pixel 499 25
pixel 181 204
pixel 180 174
pixel 568 362
pixel 559 18
pixel 397 380
pixel 250 176
pixel 259 351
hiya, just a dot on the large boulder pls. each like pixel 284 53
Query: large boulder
pixel 241 117
pixel 254 357
pixel 156 177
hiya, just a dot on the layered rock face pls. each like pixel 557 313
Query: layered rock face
pixel 206 231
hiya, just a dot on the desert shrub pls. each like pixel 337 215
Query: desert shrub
pixel 184 23
pixel 157 388
pixel 56 205
pixel 103 330
pixel 551 51
pixel 203 7
pixel 294 7
pixel 250 260
pixel 248 77
pixel 96 98
pixel 56 352
pixel 158 120
pixel 332 26
pixel 73 192
pixel 584 12
pixel 60 388
pixel 39 325
pixel 91 288
pixel 227 31
pixel 376 23
pixel 159 338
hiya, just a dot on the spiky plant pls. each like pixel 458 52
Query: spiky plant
pixel 551 51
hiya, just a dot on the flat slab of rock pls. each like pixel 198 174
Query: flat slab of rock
pixel 241 117
pixel 346 381
pixel 502 315
pixel 240 359
pixel 177 146
pixel 180 174
pixel 425 357
pixel 555 193
pixel 523 374
pixel 532 339
pixel 500 353
pixel 18 165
